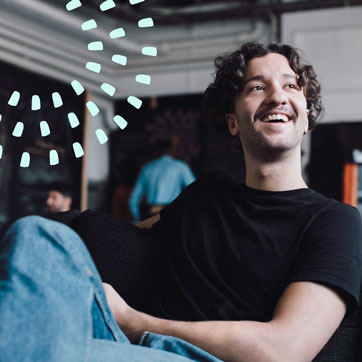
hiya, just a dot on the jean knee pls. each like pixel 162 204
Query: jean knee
pixel 40 230
pixel 26 223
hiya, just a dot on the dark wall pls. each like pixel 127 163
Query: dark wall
pixel 332 146
pixel 23 190
pixel 201 147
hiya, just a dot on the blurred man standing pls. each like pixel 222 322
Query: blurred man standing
pixel 59 197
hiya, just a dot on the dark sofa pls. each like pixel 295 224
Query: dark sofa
pixel 131 260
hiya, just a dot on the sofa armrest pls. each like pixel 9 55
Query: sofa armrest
pixel 127 257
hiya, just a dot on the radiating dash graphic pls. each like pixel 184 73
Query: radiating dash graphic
pixel 93 45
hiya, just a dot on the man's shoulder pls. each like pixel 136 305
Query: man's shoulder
pixel 150 165
pixel 334 215
pixel 330 205
pixel 208 186
pixel 215 179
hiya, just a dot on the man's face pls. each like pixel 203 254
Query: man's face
pixel 271 113
pixel 57 202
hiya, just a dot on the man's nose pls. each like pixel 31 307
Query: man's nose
pixel 276 95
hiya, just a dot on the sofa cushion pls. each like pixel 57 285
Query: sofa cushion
pixel 128 258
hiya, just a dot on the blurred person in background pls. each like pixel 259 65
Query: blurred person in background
pixel 59 197
pixel 161 180
pixel 128 170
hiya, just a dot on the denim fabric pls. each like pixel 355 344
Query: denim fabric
pixel 175 345
pixel 108 351
pixel 53 308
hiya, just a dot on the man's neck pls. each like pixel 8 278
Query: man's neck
pixel 280 175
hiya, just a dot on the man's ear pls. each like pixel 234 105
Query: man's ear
pixel 233 124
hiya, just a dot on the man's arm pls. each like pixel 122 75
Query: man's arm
pixel 304 319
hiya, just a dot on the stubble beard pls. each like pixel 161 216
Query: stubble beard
pixel 261 148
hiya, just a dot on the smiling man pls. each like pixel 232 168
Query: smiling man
pixel 263 270
pixel 256 271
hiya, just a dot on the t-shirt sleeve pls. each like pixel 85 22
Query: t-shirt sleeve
pixel 187 175
pixel 330 252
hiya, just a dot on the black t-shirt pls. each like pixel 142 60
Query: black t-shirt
pixel 232 250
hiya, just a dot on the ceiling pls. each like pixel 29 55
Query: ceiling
pixel 41 36
pixel 191 11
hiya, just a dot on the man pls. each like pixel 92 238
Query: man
pixel 264 252
pixel 161 180
pixel 261 271
pixel 59 197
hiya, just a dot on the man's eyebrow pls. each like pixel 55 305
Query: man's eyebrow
pixel 256 77
pixel 261 77
pixel 289 75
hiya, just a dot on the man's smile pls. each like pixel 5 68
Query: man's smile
pixel 276 117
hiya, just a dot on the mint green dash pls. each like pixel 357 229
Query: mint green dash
pixel 120 122
pixel 57 100
pixel 1 151
pixel 78 88
pixel 134 101
pixel 35 103
pixel 14 99
pixel 143 78
pixel 93 67
pixel 102 137
pixel 109 89
pixel 78 150
pixel 18 129
pixel 117 33
pixel 74 4
pixel 89 25
pixel 73 120
pixel 25 159
pixel 44 129
pixel 134 2
pixel 92 108
pixel 53 157
pixel 95 46
pixel 119 59
pixel 150 51
pixel 109 4
pixel 145 23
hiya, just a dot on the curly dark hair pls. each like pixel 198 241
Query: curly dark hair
pixel 228 82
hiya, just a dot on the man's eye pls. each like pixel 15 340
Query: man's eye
pixel 257 88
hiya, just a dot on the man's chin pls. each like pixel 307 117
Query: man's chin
pixel 268 151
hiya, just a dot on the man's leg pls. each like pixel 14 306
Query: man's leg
pixel 49 290
pixel 52 304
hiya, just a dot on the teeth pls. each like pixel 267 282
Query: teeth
pixel 274 117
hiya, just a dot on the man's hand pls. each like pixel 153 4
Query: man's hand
pixel 147 223
pixel 125 316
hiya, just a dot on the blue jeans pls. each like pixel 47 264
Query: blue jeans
pixel 53 308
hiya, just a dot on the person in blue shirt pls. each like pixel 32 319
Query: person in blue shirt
pixel 160 180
